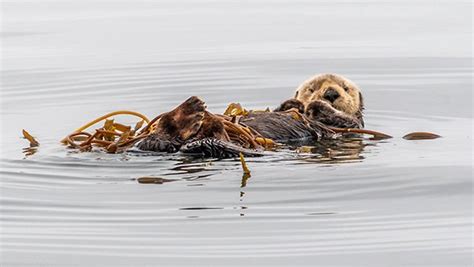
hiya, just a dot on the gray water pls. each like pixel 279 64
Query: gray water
pixel 355 203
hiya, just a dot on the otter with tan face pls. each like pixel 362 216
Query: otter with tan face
pixel 331 99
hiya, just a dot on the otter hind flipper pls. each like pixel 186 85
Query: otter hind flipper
pixel 215 148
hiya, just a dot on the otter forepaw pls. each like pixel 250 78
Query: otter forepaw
pixel 319 108
pixel 323 112
pixel 289 104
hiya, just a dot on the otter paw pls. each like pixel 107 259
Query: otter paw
pixel 318 108
pixel 289 104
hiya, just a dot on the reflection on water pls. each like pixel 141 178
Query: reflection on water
pixel 337 151
pixel 153 180
pixel 340 150
pixel 28 151
pixel 344 202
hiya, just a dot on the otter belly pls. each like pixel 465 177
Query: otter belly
pixel 280 126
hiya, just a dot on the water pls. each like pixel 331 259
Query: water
pixel 369 203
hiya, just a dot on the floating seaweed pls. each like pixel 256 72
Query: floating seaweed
pixel 376 135
pixel 245 168
pixel 34 144
pixel 30 138
pixel 112 136
pixel 421 136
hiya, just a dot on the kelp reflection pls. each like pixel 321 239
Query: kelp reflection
pixel 29 151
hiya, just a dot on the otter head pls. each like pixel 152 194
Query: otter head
pixel 339 92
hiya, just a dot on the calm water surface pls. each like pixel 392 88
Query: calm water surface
pixel 352 203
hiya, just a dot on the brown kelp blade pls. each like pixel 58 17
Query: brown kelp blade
pixel 109 126
pixel 375 134
pixel 121 127
pixel 245 168
pixel 421 136
pixel 235 109
pixel 138 126
pixel 29 137
pixel 265 142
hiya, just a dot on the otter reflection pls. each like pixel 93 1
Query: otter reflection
pixel 335 151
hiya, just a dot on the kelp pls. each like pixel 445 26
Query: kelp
pixel 245 168
pixel 241 135
pixel 376 135
pixel 112 136
pixel 108 115
pixel 421 136
pixel 30 138
pixel 235 109
pixel 245 175
pixel 34 144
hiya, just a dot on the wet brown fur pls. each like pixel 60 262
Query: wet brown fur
pixel 184 121
pixel 188 121
pixel 212 127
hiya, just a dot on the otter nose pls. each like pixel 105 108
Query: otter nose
pixel 331 95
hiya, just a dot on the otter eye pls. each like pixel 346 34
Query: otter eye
pixel 345 88
pixel 311 90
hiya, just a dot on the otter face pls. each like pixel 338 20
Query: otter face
pixel 339 92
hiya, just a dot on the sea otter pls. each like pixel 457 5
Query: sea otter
pixel 324 100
